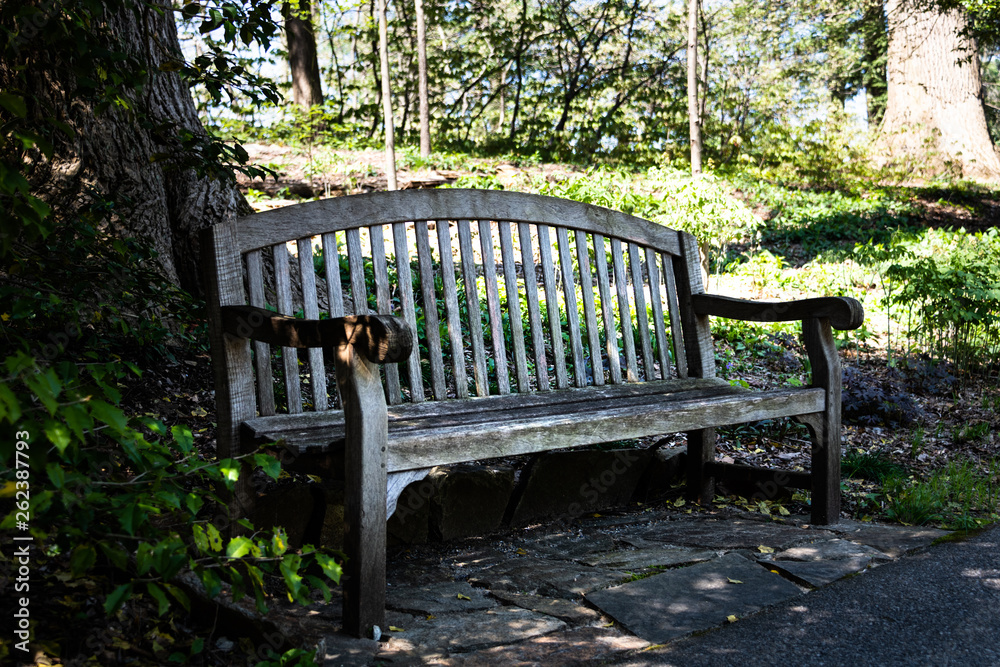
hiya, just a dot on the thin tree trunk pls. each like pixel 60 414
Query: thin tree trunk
pixel 424 103
pixel 934 120
pixel 390 150
pixel 694 119
pixel 307 89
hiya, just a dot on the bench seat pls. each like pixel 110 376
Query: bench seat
pixel 422 435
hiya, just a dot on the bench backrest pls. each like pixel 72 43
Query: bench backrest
pixel 507 292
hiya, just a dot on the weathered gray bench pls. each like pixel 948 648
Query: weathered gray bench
pixel 520 324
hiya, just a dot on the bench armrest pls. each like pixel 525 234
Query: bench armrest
pixel 380 338
pixel 843 312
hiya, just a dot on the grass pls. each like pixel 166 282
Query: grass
pixel 960 496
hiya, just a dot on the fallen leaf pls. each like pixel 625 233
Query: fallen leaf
pixel 431 617
pixel 521 552
pixel 463 597
pixel 731 618
pixel 734 581
pixel 393 628
pixel 679 502
pixel 765 550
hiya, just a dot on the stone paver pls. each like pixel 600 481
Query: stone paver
pixel 729 533
pixel 678 602
pixel 894 540
pixel 562 609
pixel 439 636
pixel 820 572
pixel 664 556
pixel 527 574
pixel 581 646
pixel 438 598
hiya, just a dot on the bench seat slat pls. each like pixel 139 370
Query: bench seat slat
pixel 584 417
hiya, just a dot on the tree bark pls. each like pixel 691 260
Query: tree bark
pixel 934 117
pixel 112 156
pixel 694 117
pixel 307 87
pixel 425 112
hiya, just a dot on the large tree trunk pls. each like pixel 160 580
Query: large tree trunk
pixel 113 157
pixel 934 111
pixel 307 88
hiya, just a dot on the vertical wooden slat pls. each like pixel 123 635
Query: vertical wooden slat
pixel 331 266
pixel 552 304
pixel 697 332
pixel 310 308
pixel 642 319
pixel 384 305
pixel 289 355
pixel 334 289
pixel 472 305
pixel 403 274
pixel 431 322
pixel 607 311
pixel 676 332
pixel 493 306
pixel 621 286
pixel 451 309
pixel 572 312
pixel 653 269
pixel 534 309
pixel 589 311
pixel 513 305
pixel 356 266
pixel 261 350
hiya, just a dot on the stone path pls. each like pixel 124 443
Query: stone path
pixel 604 588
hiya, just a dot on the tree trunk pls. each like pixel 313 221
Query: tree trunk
pixel 307 88
pixel 425 113
pixel 694 118
pixel 390 148
pixel 934 116
pixel 120 160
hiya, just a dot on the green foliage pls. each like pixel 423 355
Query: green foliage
pixel 874 467
pixel 122 501
pixel 948 285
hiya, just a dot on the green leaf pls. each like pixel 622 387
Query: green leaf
pixel 279 542
pixel 56 475
pixel 109 414
pixel 240 546
pixel 269 464
pixel 14 104
pixel 82 559
pixel 330 567
pixel 144 558
pixel 214 537
pixel 117 598
pixel 163 604
pixel 58 435
pixel 193 502
pixel 179 595
pixel 183 438
pixel 200 537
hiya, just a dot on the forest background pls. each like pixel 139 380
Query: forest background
pixel 814 148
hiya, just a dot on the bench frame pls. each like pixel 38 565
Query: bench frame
pixel 358 345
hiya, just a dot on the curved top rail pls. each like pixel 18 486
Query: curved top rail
pixel 339 213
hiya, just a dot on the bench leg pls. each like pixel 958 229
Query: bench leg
pixel 824 426
pixel 364 503
pixel 700 451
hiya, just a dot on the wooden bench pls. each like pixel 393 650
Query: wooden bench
pixel 520 324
